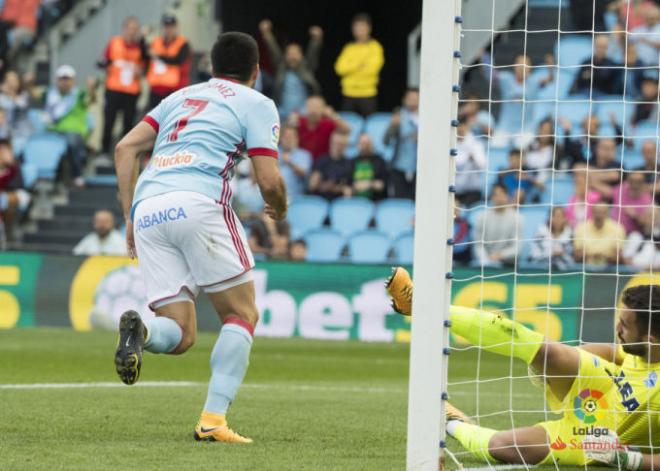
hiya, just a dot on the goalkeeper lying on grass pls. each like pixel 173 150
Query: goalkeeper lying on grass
pixel 609 400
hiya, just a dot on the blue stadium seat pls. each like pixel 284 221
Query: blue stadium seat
pixel 30 174
pixel 36 119
pixel 632 159
pixel 45 150
pixel 376 126
pixel 575 111
pixel 404 249
pixel 369 247
pixel 306 213
pixel 497 159
pixel 395 216
pixel 324 245
pixel 572 49
pixel 18 144
pixel 357 125
pixel 559 191
pixel 615 105
pixel 644 131
pixel 349 215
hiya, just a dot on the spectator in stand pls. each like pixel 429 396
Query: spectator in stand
pixel 630 12
pixel 517 179
pixel 511 85
pixel 585 18
pixel 498 230
pixel 402 132
pixel 647 107
pixel 553 241
pixel 34 92
pixel 604 170
pixel 124 60
pixel 295 163
pixel 634 73
pixel 631 202
pixel 642 248
pixel 470 165
pixel 647 36
pixel 21 15
pixel 169 62
pixel 651 167
pixel 540 156
pixel 104 240
pixel 67 107
pixel 316 126
pixel 481 122
pixel 599 75
pixel 294 73
pixel 578 209
pixel 581 147
pixel 332 172
pixel 359 65
pixel 368 176
pixel 15 101
pixel 462 252
pixel 599 242
pixel 269 238
pixel 13 197
pixel 298 250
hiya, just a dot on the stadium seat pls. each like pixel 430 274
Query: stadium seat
pixel 559 191
pixel 614 105
pixel 533 217
pixel 497 159
pixel 632 159
pixel 30 174
pixel 575 111
pixel 349 215
pixel 306 213
pixel 369 247
pixel 357 125
pixel 376 127
pixel 324 245
pixel 45 150
pixel 404 249
pixel 572 49
pixel 36 119
pixel 395 216
pixel 644 131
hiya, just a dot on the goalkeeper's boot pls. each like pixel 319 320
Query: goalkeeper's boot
pixel 217 430
pixel 453 413
pixel 400 289
pixel 128 357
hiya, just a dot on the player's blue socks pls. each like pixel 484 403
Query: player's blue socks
pixel 163 335
pixel 229 362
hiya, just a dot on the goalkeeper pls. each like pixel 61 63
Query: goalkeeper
pixel 609 400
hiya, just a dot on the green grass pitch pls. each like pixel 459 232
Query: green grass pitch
pixel 308 405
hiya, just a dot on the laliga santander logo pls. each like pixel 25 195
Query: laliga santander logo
pixel 558 444
pixel 589 405
pixel 275 133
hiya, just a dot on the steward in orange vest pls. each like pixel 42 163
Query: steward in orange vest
pixel 169 65
pixel 124 60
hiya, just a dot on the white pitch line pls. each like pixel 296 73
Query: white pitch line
pixel 500 466
pixel 271 386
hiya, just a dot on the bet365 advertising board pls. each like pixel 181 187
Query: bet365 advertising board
pixel 316 301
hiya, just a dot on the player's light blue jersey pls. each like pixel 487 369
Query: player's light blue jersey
pixel 203 130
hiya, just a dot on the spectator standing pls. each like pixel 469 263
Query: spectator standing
pixel 647 108
pixel 631 202
pixel 470 165
pixel 462 252
pixel 294 79
pixel 598 75
pixel 295 163
pixel 104 240
pixel 22 16
pixel 553 241
pixel 359 65
pixel 316 126
pixel 402 132
pixel 517 178
pixel 604 170
pixel 13 196
pixel 332 172
pixel 647 36
pixel 15 101
pixel 124 60
pixel 642 248
pixel 169 62
pixel 67 107
pixel 599 241
pixel 578 209
pixel 498 230
pixel 368 176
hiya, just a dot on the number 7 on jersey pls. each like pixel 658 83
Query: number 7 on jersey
pixel 197 106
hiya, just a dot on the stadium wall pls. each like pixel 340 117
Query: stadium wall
pixel 295 299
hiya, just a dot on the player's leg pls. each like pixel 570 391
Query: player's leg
pixel 235 304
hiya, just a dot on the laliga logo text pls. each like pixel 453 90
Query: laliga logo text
pixel 575 444
pixel 166 161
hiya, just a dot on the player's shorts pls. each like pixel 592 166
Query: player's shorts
pixel 186 241
pixel 588 410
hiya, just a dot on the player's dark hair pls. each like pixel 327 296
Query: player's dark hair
pixel 234 55
pixel 645 301
pixel 501 186
pixel 363 18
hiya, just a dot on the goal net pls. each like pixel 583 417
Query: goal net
pixel 555 194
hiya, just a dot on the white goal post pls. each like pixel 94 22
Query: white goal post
pixel 440 64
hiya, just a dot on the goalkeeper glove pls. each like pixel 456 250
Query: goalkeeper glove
pixel 606 449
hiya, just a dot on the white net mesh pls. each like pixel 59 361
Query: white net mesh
pixel 556 177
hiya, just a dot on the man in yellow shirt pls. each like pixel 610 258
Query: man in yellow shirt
pixel 600 240
pixel 359 65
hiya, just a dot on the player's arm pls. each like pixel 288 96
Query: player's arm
pixel 606 351
pixel 271 184
pixel 140 139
